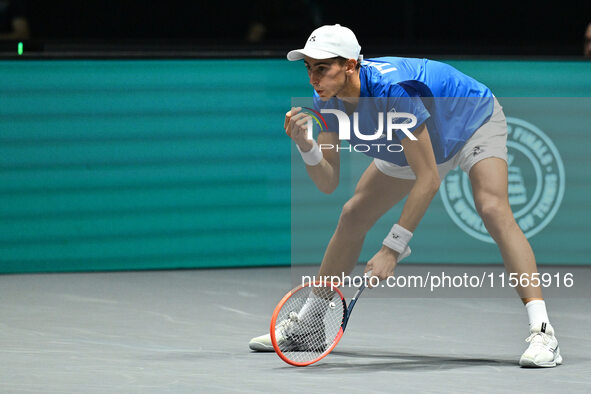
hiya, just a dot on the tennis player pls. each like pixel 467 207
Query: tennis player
pixel 458 122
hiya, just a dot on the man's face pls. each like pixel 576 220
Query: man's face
pixel 327 76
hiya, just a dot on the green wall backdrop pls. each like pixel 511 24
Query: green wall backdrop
pixel 183 163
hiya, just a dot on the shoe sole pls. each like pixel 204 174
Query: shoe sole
pixel 260 347
pixel 529 363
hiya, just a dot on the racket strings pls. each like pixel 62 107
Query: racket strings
pixel 309 323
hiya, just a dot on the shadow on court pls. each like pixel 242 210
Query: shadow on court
pixel 405 362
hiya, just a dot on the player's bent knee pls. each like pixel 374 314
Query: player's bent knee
pixel 354 220
pixel 494 211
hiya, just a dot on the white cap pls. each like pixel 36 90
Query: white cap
pixel 329 41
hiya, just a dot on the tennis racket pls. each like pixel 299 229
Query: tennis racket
pixel 310 320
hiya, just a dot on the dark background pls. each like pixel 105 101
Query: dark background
pixel 422 27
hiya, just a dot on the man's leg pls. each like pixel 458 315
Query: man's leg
pixel 489 186
pixel 374 195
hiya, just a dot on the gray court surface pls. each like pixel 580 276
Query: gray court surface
pixel 187 332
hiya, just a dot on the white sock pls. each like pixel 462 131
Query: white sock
pixel 536 312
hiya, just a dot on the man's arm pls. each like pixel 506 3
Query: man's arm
pixel 325 174
pixel 421 159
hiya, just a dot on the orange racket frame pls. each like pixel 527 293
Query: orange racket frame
pixel 276 314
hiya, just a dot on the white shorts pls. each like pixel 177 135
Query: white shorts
pixel 490 140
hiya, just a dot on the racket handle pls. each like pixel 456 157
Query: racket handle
pixel 368 274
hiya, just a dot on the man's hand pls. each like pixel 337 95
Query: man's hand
pixel 382 263
pixel 296 126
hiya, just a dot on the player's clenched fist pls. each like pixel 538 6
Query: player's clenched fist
pixel 296 126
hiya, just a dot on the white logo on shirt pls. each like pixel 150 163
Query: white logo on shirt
pixel 380 66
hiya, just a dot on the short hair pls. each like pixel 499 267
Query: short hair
pixel 342 60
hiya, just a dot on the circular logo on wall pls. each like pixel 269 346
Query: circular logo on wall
pixel 536 184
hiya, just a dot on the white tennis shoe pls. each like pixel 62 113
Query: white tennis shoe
pixel 261 343
pixel 543 350
pixel 288 333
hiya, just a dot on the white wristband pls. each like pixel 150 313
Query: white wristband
pixel 313 156
pixel 398 238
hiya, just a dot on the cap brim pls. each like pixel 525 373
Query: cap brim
pixel 299 54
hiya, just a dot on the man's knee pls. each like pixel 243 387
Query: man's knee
pixel 494 211
pixel 354 218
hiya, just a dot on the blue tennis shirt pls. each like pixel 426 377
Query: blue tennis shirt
pixel 451 104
